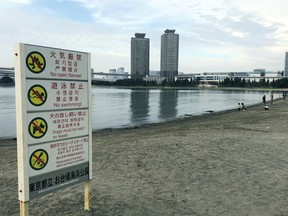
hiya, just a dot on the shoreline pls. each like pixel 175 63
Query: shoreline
pixel 179 119
pixel 151 124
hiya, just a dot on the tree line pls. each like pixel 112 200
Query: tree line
pixel 141 82
pixel 263 83
pixel 227 82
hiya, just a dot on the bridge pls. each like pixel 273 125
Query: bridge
pixel 110 74
pixel 220 77
pixel 7 76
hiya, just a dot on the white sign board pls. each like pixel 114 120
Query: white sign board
pixel 53 105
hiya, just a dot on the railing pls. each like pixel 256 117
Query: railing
pixel 110 74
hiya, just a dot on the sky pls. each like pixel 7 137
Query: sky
pixel 214 35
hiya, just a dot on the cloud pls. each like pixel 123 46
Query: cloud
pixel 239 34
pixel 18 1
pixel 224 34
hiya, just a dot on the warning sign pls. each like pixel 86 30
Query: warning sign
pixel 54 128
pixel 62 154
pixel 38 127
pixel 37 95
pixel 60 125
pixel 60 95
pixel 53 63
pixel 38 159
pixel 35 62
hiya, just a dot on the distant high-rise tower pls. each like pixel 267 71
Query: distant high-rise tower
pixel 169 54
pixel 286 65
pixel 139 56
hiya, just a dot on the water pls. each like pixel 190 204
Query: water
pixel 118 107
pixel 7 112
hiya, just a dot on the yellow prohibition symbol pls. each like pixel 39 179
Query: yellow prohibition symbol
pixel 35 62
pixel 38 127
pixel 37 95
pixel 38 159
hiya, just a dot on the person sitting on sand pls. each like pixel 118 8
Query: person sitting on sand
pixel 266 107
pixel 239 106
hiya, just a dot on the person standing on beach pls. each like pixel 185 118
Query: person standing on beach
pixel 264 100
pixel 272 97
pixel 239 106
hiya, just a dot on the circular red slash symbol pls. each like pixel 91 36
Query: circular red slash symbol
pixel 37 95
pixel 38 159
pixel 35 62
pixel 37 127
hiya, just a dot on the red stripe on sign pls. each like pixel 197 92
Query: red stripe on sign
pixel 36 62
pixel 39 128
pixel 37 94
pixel 39 159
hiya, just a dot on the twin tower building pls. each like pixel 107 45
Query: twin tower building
pixel 140 50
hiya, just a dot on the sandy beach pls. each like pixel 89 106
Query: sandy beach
pixel 221 164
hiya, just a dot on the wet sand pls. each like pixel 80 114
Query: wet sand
pixel 226 164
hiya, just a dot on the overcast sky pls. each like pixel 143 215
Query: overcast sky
pixel 215 35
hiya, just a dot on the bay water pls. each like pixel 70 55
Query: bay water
pixel 114 107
